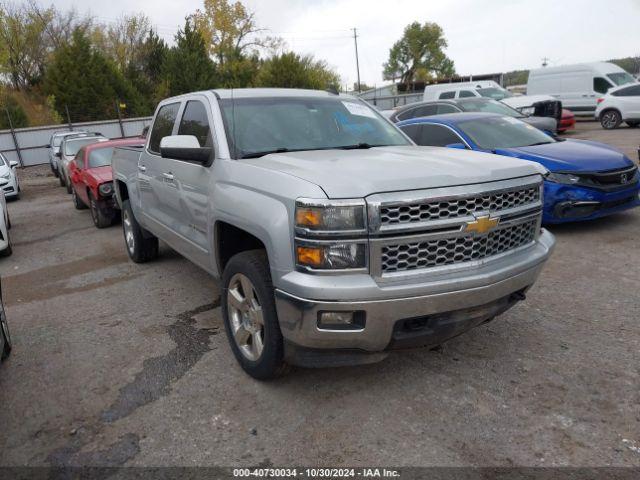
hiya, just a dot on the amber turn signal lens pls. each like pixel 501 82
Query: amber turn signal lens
pixel 311 256
pixel 308 217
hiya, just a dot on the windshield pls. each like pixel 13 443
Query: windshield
pixel 495 93
pixel 71 147
pixel 503 132
pixel 269 124
pixel 100 157
pixel 620 78
pixel 489 106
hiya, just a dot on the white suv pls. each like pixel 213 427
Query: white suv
pixel 620 104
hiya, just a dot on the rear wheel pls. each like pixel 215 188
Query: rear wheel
pixel 61 179
pixel 250 317
pixel 99 217
pixel 141 245
pixel 79 204
pixel 610 119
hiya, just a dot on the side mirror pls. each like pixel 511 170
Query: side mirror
pixel 58 154
pixel 186 148
pixel 13 163
pixel 48 145
pixel 459 146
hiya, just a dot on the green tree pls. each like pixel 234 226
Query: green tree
pixel 187 66
pixel 83 79
pixel 419 51
pixel 290 70
pixel 233 41
pixel 9 106
pixel 146 71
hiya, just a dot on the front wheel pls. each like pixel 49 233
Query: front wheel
pixel 99 217
pixel 141 245
pixel 61 179
pixel 79 204
pixel 250 317
pixel 9 249
pixel 633 124
pixel 610 119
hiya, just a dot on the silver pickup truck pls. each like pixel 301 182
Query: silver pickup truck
pixel 335 238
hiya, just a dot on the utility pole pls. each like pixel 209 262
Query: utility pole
pixel 545 61
pixel 355 41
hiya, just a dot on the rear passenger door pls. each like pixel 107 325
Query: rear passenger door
pixel 629 101
pixel 421 111
pixel 190 199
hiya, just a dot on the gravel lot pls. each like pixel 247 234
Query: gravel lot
pixel 123 364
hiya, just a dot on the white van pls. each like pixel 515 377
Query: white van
pixel 538 105
pixel 577 86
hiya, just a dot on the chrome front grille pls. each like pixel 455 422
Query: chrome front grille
pixel 447 251
pixel 458 207
pixel 453 227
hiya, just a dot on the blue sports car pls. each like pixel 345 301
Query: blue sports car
pixel 586 179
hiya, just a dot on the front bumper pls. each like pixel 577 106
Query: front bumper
pixel 11 189
pixel 570 203
pixel 470 297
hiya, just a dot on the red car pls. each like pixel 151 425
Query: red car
pixel 567 121
pixel 92 179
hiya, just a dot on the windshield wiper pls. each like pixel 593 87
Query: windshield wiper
pixel 357 146
pixel 539 143
pixel 265 152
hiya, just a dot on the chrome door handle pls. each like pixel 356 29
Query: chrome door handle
pixel 168 176
pixel 142 168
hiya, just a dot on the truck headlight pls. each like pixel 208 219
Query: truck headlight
pixel 564 178
pixel 330 217
pixel 106 189
pixel 331 255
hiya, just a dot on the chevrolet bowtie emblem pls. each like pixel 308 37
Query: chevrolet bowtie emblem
pixel 482 224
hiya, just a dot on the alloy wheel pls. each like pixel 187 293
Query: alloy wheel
pixel 245 317
pixel 609 120
pixel 128 232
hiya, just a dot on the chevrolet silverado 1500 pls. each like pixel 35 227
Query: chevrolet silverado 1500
pixel 335 238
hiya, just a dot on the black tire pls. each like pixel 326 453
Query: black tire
pixel 144 247
pixel 68 186
pixel 610 119
pixel 4 331
pixel 255 265
pixel 99 217
pixel 61 180
pixel 9 250
pixel 77 201
pixel 633 124
pixel 55 172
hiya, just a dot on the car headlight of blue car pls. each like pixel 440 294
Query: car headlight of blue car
pixel 563 178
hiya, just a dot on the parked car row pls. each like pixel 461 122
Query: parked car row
pixel 82 162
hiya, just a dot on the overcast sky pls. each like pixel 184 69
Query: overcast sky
pixel 485 36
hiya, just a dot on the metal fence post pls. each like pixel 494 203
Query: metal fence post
pixel 119 118
pixel 68 118
pixel 15 139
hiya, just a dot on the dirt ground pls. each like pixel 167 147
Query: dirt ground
pixel 122 364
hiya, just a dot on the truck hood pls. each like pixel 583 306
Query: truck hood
pixel 101 174
pixel 358 173
pixel 571 155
